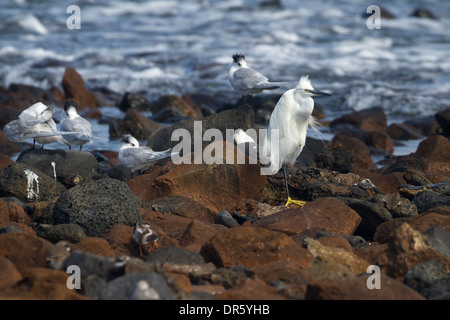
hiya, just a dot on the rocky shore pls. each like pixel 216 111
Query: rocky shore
pixel 224 232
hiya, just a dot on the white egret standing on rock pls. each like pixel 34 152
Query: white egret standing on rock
pixel 291 117
pixel 247 80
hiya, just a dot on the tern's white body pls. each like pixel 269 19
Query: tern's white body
pixel 35 122
pixel 131 155
pixel 77 124
pixel 247 80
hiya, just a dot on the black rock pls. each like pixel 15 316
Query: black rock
pixel 429 279
pixel 71 232
pixel 334 157
pixel 429 199
pixel 423 13
pixel 372 216
pixel 133 100
pixel 309 153
pixel 175 255
pixel 225 218
pixel 97 206
pixel 443 119
pixel 439 239
pixel 398 206
pixel 10 229
pixel 70 167
pixel 168 115
pixel 126 288
pixel 28 184
pixel 242 117
pixel 94 270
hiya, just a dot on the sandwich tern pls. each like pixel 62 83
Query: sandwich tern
pixel 247 80
pixel 77 124
pixel 35 122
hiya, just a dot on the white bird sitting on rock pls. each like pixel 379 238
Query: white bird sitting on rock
pixel 131 155
pixel 77 124
pixel 291 116
pixel 35 122
pixel 247 80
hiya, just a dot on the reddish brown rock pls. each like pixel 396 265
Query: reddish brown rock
pixel 94 245
pixel 119 238
pixel 406 248
pixel 386 183
pixel 216 186
pixel 340 256
pixel 17 214
pixel 252 247
pixel 293 275
pixel 198 233
pixel 176 102
pixel 24 250
pixel 325 214
pixel 4 213
pixel 368 119
pixel 9 274
pixel 381 140
pixel 336 241
pixel 356 289
pixel 251 289
pixel 435 149
pixel 174 226
pixel 75 89
pixel 402 131
pixel 359 151
pixel 370 252
pixel 212 289
pixel 421 223
pixel 43 283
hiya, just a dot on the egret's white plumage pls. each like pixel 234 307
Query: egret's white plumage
pixel 247 80
pixel 77 124
pixel 131 155
pixel 291 117
pixel 35 122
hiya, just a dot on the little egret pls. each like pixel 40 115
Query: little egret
pixel 77 124
pixel 247 80
pixel 291 117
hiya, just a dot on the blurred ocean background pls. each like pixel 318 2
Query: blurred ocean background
pixel 174 47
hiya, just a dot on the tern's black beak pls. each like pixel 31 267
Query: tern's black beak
pixel 320 93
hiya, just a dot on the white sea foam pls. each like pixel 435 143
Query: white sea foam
pixel 31 23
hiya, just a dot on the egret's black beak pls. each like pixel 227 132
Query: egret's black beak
pixel 321 93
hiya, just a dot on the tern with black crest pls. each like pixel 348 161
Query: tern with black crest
pixel 247 80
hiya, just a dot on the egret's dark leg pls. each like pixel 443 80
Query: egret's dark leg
pixel 289 200
pixel 285 182
pixel 34 143
pixel 80 146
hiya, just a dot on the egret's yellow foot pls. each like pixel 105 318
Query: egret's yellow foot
pixel 140 250
pixel 297 202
